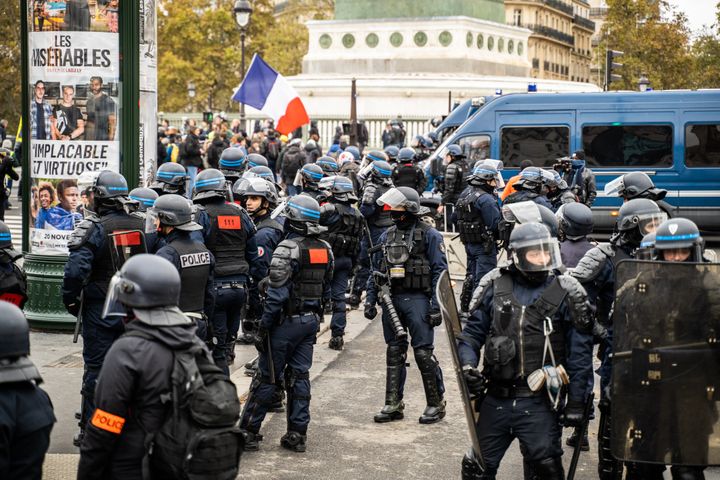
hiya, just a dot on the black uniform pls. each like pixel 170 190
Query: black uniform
pixel 455 182
pixel 409 175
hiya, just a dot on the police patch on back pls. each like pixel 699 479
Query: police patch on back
pixel 195 259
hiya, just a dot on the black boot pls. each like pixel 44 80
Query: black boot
pixel 293 441
pixel 336 342
pixel 572 440
pixel 470 468
pixel 435 410
pixel 549 469
pixel 252 441
pixel 394 406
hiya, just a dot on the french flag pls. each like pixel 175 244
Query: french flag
pixel 266 90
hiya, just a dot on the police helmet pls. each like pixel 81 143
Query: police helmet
pixel 455 151
pixel 637 218
pixel 342 189
pixel 520 213
pixel 173 211
pixel 345 158
pixel 232 159
pixel 170 178
pixel 262 172
pixel 144 196
pixel 401 197
pixel 433 136
pixel 257 187
pixel 680 233
pixel 377 156
pixel 14 332
pixel 310 145
pixel 646 250
pixel 303 215
pixel 381 170
pixel 530 179
pixel 421 142
pixel 149 286
pixel 210 183
pixel 553 180
pixel 391 152
pixel 354 151
pixel 639 185
pixel 109 185
pixel 482 173
pixel 328 165
pixel 311 173
pixel 575 220
pixel 256 160
pixel 406 154
pixel 534 249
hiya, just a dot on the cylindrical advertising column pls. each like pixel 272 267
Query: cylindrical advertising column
pixel 81 76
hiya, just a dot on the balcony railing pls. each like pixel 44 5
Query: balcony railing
pixel 584 22
pixel 550 33
pixel 558 5
pixel 599 13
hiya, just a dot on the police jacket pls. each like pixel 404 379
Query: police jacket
pixel 571 339
pixel 527 195
pixel 133 382
pixel 596 272
pixel 26 419
pixel 345 228
pixel 409 175
pixel 299 279
pixel 477 215
pixel 455 180
pixel 269 234
pixel 201 217
pixel 89 267
pixel 231 239
pixel 376 216
pixel 427 258
pixel 571 251
pixel 13 282
pixel 197 268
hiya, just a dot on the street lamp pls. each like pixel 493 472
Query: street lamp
pixel 191 92
pixel 643 83
pixel 242 11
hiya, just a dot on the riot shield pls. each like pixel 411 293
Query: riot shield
pixel 449 312
pixel 666 363
pixel 125 244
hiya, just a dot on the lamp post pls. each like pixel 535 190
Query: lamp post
pixel 242 11
pixel 191 93
pixel 643 83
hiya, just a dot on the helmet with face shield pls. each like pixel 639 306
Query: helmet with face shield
pixel 401 197
pixel 534 250
pixel 637 218
pixel 679 240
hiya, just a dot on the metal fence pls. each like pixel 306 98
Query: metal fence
pixel 326 126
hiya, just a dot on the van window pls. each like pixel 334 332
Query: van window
pixel 628 145
pixel 702 146
pixel 476 147
pixel 542 145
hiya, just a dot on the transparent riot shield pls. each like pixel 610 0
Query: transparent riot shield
pixel 124 244
pixel 666 363
pixel 451 318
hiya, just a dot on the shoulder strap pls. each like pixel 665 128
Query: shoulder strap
pixel 503 285
pixel 550 300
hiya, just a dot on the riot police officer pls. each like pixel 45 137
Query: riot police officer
pixel 308 178
pixel 328 165
pixel 299 284
pixel 455 179
pixel 13 282
pixel 377 219
pixel 407 173
pixel 232 163
pixel 26 414
pixel 536 328
pixel 412 259
pixel 139 372
pixel 575 222
pixel 391 151
pixel 345 229
pixel 639 185
pixel 231 240
pixel 558 191
pixel 530 186
pixel 255 160
pixel 478 214
pixel 171 217
pixel 170 178
pixel 144 196
pixel 91 264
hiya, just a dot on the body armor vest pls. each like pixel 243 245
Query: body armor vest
pixel 406 176
pixel 307 292
pixel 227 239
pixel 194 272
pixel 103 269
pixel 470 220
pixel 418 274
pixel 13 285
pixel 456 178
pixel 516 344
pixel 268 222
pixel 381 218
pixel 344 236
pixel 520 196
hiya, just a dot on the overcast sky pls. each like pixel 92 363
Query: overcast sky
pixel 699 12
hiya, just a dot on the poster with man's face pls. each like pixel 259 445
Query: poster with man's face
pixel 74 74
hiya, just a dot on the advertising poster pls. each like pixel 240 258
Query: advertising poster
pixel 74 110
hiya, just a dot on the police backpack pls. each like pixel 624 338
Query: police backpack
pixel 199 438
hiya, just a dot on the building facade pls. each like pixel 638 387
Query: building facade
pixel 560 45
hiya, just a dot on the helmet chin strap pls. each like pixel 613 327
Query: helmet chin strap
pixel 535 277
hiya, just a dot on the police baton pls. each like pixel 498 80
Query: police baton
pixel 582 430
pixel 271 364
pixel 78 322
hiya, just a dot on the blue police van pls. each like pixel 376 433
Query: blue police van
pixel 673 136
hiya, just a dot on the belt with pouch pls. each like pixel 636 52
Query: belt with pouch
pixel 516 390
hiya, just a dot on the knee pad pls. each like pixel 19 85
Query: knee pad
pixel 549 468
pixel 294 387
pixel 425 359
pixel 396 355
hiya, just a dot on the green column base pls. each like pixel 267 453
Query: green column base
pixel 45 309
